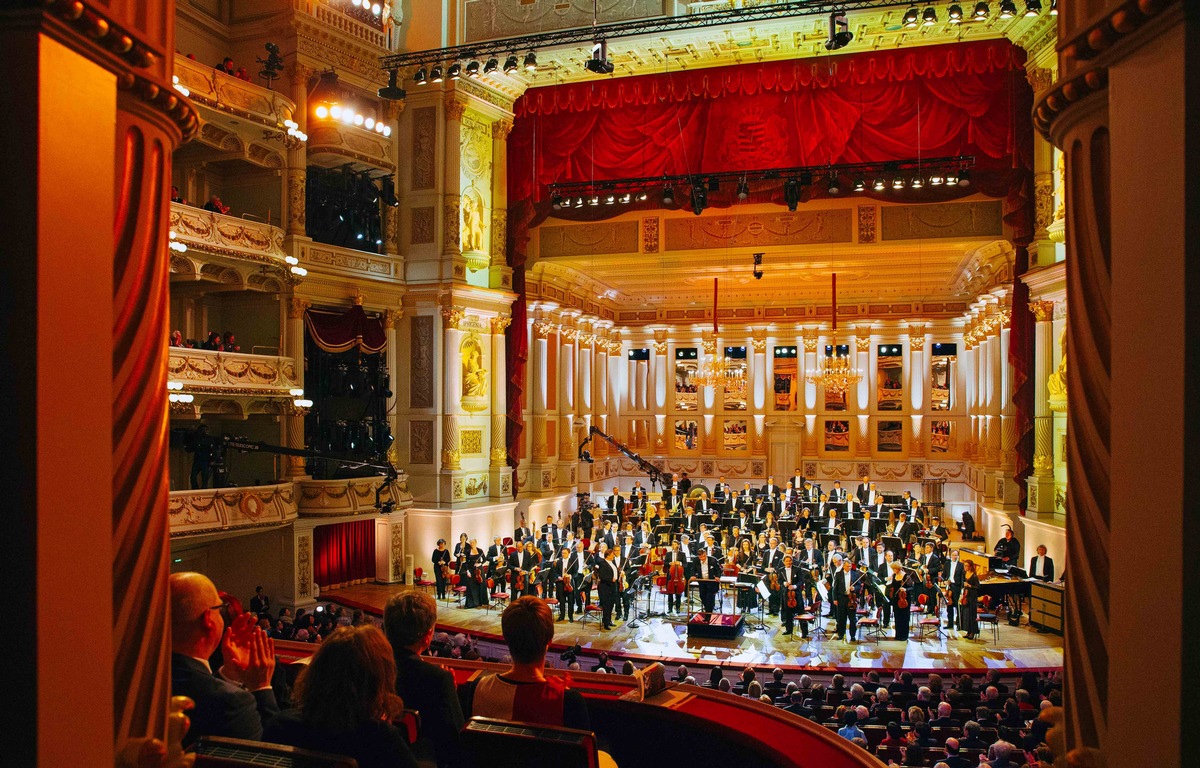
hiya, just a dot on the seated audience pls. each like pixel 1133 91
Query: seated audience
pixel 943 719
pixel 971 739
pixel 408 621
pixel 602 664
pixel 851 730
pixel 895 736
pixel 236 700
pixel 953 758
pixel 346 704
pixel 215 205
pixel 523 692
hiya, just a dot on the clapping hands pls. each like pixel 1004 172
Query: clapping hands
pixel 249 654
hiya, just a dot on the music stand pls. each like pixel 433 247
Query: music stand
pixel 663 532
pixel 892 543
pixel 825 538
pixel 786 529
pixel 764 594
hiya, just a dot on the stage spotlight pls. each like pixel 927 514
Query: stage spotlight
pixel 951 178
pixel 898 182
pixel 455 71
pixel 668 195
pixel 421 77
pixel 435 74
pixel 599 63
pixel 1033 7
pixel 917 182
pixel 936 179
pixel 879 184
pixel 531 62
pixel 556 202
pixel 860 184
pixel 610 198
pixel 473 69
pixel 1008 9
pixel 392 91
pixel 743 190
pixel 594 200
pixel 964 178
pixel 699 198
pixel 626 198
pixel 510 64
pixel 834 187
pixel 641 195
pixel 791 194
pixel 491 66
pixel 839 31
pixel 910 19
pixel 954 13
pixel 981 10
pixel 929 18
pixel 1053 7
pixel 579 202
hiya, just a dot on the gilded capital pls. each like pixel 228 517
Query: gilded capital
pixel 500 323
pixel 455 109
pixel 862 343
pixel 542 330
pixel 1043 311
pixel 660 347
pixel 809 337
pixel 501 128
pixel 297 307
pixel 760 345
pixel 452 316
pixel 391 318
pixel 916 339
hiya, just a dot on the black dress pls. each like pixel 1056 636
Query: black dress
pixel 440 557
pixel 968 619
pixel 896 587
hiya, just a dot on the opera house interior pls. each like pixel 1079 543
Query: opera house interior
pixel 600 382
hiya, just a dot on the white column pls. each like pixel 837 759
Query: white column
pixel 759 374
pixel 659 373
pixel 917 369
pixel 294 348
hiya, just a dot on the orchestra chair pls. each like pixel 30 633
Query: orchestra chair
pixel 487 741
pixel 812 616
pixel 508 540
pixel 592 611
pixel 868 621
pixel 499 596
pixel 988 616
pixel 890 754
pixel 223 752
pixel 459 589
pixel 420 583
pixel 927 620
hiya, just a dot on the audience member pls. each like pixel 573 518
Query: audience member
pixel 602 664
pixel 229 342
pixel 225 66
pixel 346 703
pixel 850 729
pixel 238 700
pixel 797 706
pixel 971 738
pixel 895 736
pixel 953 758
pixel 715 675
pixel 943 719
pixel 1001 755
pixel 215 205
pixel 260 604
pixel 523 692
pixel 408 620
pixel 628 669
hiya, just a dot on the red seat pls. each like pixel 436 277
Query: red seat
pixel 418 581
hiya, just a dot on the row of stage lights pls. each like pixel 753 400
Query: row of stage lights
pixel 472 68
pixel 982 10
pixel 375 9
pixel 349 116
pixel 792 188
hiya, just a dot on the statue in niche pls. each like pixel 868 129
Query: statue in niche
pixel 1056 384
pixel 472 222
pixel 474 375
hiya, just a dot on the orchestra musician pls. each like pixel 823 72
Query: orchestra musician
pixel 968 620
pixel 520 563
pixel 522 531
pixel 706 572
pixel 766 504
pixel 691 520
pixel 790 496
pixel 684 483
pixel 1040 566
pixel 837 493
pixel 498 551
pixel 1008 549
pixel 810 492
pixel 714 550
pixel 565 585
pixel 797 480
pixel 704 508
pixel 616 503
pixel 644 535
pixel 607 535
pixel 460 546
pixel 746 561
pixel 470 574
pixel 607 573
pixel 843 584
pixel 441 568
pixel 937 530
pixel 901 529
pixel 851 504
pixel 810 556
pixel 550 530
pixel 792 601
pixel 804 522
pixel 865 490
pixel 861 554
pixel 770 489
pixel 897 598
pixel 771 562
pixel 637 496
pixel 721 494
pixel 581 566
pixel 675 595
pixel 931 568
pixel 674 501
pixel 832 524
pixel 952 575
pixel 884 572
pixel 867 527
pixel 745 499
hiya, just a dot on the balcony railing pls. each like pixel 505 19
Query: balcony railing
pixel 334 498
pixel 223 235
pixel 231 373
pixel 348 142
pixel 214 510
pixel 333 16
pixel 211 88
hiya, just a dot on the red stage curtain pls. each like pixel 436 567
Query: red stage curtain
pixel 961 99
pixel 342 331
pixel 344 553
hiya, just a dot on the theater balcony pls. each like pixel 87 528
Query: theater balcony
pixel 231 384
pixel 231 252
pixel 222 510
pixel 332 144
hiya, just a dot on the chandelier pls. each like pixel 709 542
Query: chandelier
pixel 836 374
pixel 715 370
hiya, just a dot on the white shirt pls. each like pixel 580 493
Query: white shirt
pixel 866 526
pixel 1037 565
pixel 704 568
pixel 899 527
pixel 833 523
pixel 953 568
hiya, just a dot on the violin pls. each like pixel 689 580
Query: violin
pixel 774 581
pixel 902 599
pixel 791 597
pixel 519 584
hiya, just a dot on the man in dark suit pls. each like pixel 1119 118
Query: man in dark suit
pixel 1040 566
pixel 1008 548
pixel 550 531
pixel 675 555
pixel 791 580
pixel 562 576
pixel 673 501
pixel 901 529
pixel 797 706
pixel 637 496
pixel 616 503
pixel 864 491
pixel 691 520
pixel 260 604
pixel 867 527
pixel 685 484
pixel 797 480
pixel 952 575
pixel 937 530
pixel 770 489
pixel 953 758
pixel 837 493
pixel 608 536
pixel 237 700
pixel 408 622
pixel 721 494
pixel 707 572
pixel 932 565
pixel 522 532
pixel 766 504
pixel 943 719
pixel 846 616
pixel 608 573
pixel 745 498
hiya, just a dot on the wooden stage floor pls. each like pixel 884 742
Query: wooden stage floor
pixel 665 639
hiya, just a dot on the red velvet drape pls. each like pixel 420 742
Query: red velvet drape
pixel 960 99
pixel 344 553
pixel 342 331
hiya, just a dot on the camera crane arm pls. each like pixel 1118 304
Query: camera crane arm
pixel 656 474
pixel 257 446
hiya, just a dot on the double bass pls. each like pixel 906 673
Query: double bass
pixel 676 582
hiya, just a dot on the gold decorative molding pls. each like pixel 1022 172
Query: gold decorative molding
pixel 597 238
pixel 1039 78
pixel 760 345
pixel 231 372
pixel 191 513
pixel 500 323
pixel 1043 311
pixel 868 223
pixel 862 343
pixel 452 316
pixel 757 229
pixel 650 227
pixel 543 330
pixel 455 107
pixel 916 340
pixel 942 220
pixel 228 235
pixel 297 307
pixel 424 154
pixel 501 128
pixel 392 318
pixel 660 347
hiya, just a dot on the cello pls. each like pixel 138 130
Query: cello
pixel 676 583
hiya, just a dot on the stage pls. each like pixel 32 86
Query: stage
pixel 666 639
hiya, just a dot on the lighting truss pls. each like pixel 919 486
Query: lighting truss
pixel 632 28
pixel 933 171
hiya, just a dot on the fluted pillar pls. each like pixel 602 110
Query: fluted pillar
pixel 538 382
pixel 294 348
pixel 499 273
pixel 297 156
pixel 453 111
pixel 451 386
pixel 1043 366
pixel 498 468
pixel 758 371
pixel 917 368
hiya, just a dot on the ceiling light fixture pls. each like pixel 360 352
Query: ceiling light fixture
pixel 743 189
pixel 473 68
pixel 981 10
pixel 1033 7
pixel 421 77
pixel 531 62
pixel 510 64
pixel 860 184
pixel 839 31
pixel 455 71
pixel 954 13
pixel 929 18
pixel 1008 9
pixel 435 74
pixel 491 66
pixel 910 18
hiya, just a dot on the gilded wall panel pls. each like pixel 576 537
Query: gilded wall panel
pixel 424 147
pixel 488 19
pixel 421 367
pixel 757 229
pixel 589 239
pixel 913 222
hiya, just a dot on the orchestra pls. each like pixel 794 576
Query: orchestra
pixel 777 552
